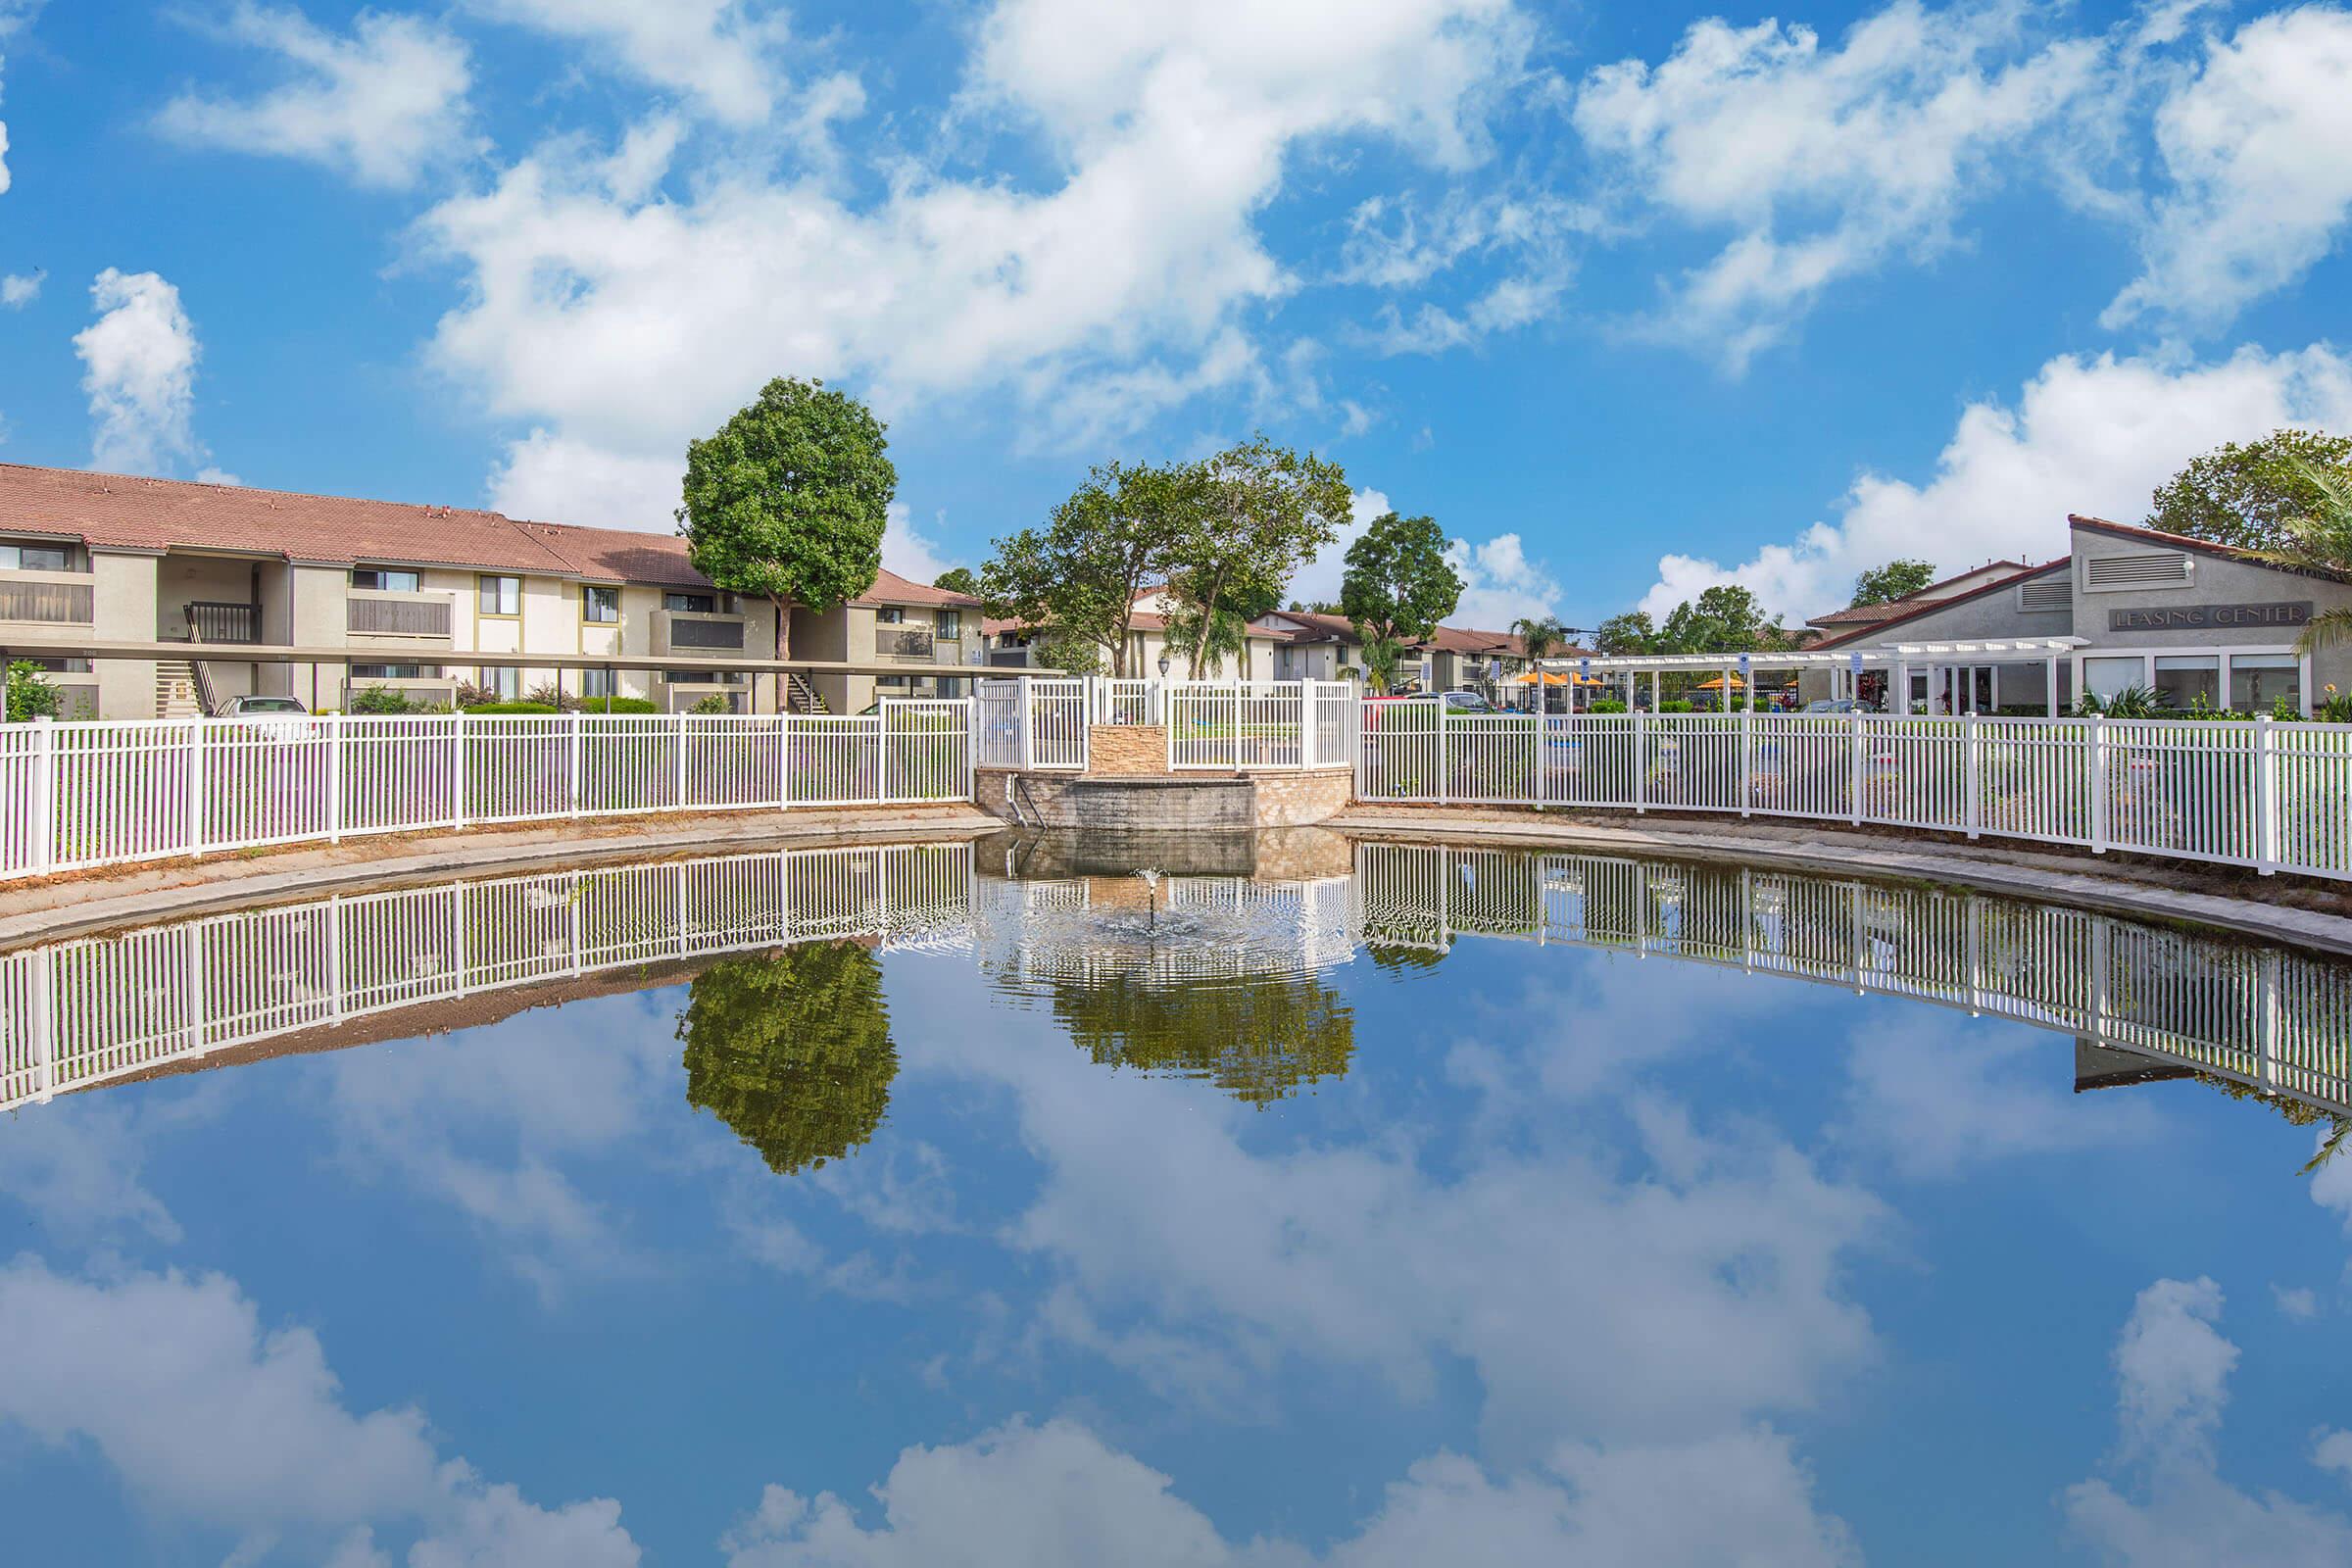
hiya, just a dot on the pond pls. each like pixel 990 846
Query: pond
pixel 1278 1201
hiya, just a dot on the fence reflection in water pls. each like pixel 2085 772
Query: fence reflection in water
pixel 81 1012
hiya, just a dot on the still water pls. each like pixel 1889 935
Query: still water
pixel 1275 1202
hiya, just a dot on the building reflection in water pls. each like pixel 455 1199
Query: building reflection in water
pixel 1216 968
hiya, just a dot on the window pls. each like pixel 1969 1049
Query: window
pixel 600 607
pixel 951 624
pixel 37 557
pixel 2104 677
pixel 505 684
pixel 597 683
pixel 2257 680
pixel 394 672
pixel 703 677
pixel 2189 681
pixel 890 616
pixel 692 604
pixel 500 596
pixel 387 580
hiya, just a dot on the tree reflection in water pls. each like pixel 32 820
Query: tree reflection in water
pixel 792 1049
pixel 1257 1038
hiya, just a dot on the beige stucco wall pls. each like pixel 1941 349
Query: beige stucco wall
pixel 124 609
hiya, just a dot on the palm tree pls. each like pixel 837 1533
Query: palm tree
pixel 1538 635
pixel 2321 540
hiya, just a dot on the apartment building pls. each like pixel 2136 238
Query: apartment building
pixel 401 593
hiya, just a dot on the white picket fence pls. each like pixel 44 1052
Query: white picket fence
pixel 1267 724
pixel 80 1013
pixel 79 794
pixel 2255 793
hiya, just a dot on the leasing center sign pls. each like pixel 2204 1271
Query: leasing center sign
pixel 2210 617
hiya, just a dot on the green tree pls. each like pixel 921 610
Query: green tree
pixel 1077 578
pixel 1898 579
pixel 1724 620
pixel 1540 635
pixel 1254 515
pixel 30 694
pixel 1257 1038
pixel 792 1049
pixel 958 580
pixel 2320 539
pixel 2247 494
pixel 787 501
pixel 1398 585
pixel 1629 633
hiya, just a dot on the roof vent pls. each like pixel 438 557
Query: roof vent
pixel 2154 570
pixel 2047 593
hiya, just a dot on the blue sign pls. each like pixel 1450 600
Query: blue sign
pixel 1742 664
pixel 1583 666
pixel 1854 661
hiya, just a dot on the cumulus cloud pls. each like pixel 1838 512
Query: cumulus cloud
pixel 909 551
pixel 15 17
pixel 139 369
pixel 2258 149
pixel 603 315
pixel 2088 435
pixel 553 478
pixel 1500 581
pixel 213 1419
pixel 1516 244
pixel 2173 1368
pixel 719 54
pixel 1822 163
pixel 383 104
pixel 1055 1496
pixel 19 289
pixel 77 1170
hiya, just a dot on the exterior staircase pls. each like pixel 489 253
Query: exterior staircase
pixel 801 697
pixel 177 690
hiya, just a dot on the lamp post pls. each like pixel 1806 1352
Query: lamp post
pixel 1163 664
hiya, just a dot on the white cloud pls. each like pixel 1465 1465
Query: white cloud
pixel 551 477
pixel 1500 581
pixel 211 1418
pixel 382 105
pixel 2299 1303
pixel 609 318
pixel 19 289
pixel 2258 146
pixel 907 551
pixel 1055 1496
pixel 1522 240
pixel 139 369
pixel 76 1169
pixel 2172 1372
pixel 718 53
pixel 2094 436
pixel 1823 162
pixel 15 17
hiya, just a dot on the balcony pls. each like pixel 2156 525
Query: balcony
pixel 407 616
pixel 693 631
pixel 211 621
pixel 47 598
pixel 907 645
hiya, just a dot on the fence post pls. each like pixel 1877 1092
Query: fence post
pixel 1306 726
pixel 2271 1022
pixel 1859 744
pixel 579 752
pixel 1641 759
pixel 2266 797
pixel 1027 734
pixel 2098 784
pixel 677 798
pixel 1968 760
pixel 44 794
pixel 1747 755
pixel 334 778
pixel 1444 770
pixel 1537 790
pixel 44 1019
pixel 195 783
pixel 457 768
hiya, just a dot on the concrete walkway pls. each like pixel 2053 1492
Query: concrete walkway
pixel 113 896
pixel 2286 909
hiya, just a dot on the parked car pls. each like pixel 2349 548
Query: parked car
pixel 281 721
pixel 1466 702
pixel 1838 705
pixel 261 707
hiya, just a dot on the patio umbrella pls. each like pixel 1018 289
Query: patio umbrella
pixel 1716 684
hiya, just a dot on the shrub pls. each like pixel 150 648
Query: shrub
pixel 30 694
pixel 550 694
pixel 1605 705
pixel 380 701
pixel 494 709
pixel 713 703
pixel 617 704
pixel 472 696
pixel 2334 708
pixel 1676 704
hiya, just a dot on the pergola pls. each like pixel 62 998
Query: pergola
pixel 1942 660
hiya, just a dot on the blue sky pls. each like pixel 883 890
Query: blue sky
pixel 1630 299
pixel 1562 1238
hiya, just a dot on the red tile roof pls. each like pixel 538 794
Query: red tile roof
pixel 892 589
pixel 1857 614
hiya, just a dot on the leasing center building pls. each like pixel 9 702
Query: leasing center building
pixel 2188 617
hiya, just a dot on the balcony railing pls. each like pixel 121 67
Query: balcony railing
pixel 679 631
pixel 386 612
pixel 214 622
pixel 47 598
pixel 909 645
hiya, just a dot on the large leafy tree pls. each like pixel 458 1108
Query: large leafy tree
pixel 1724 620
pixel 2320 539
pixel 2248 494
pixel 958 580
pixel 1629 633
pixel 1398 585
pixel 1076 579
pixel 787 501
pixel 1255 514
pixel 1898 579
pixel 1257 1038
pixel 792 1049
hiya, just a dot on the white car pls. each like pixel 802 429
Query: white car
pixel 281 721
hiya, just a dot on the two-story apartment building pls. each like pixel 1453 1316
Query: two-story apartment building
pixel 403 594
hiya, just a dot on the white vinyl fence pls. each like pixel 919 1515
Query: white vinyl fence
pixel 78 795
pixel 80 1013
pixel 1263 724
pixel 2256 793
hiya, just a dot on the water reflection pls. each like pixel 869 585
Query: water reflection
pixel 1213 972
